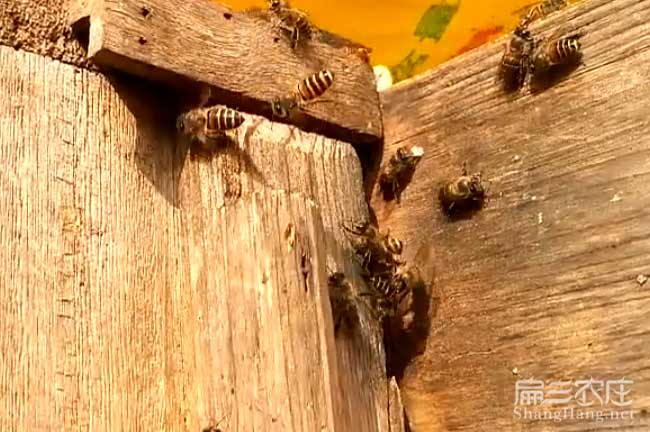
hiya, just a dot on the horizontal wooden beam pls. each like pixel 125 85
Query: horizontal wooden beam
pixel 542 282
pixel 240 55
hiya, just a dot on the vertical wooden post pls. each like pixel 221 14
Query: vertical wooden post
pixel 142 289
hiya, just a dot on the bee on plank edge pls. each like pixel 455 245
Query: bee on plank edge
pixel 307 91
pixel 293 24
pixel 398 172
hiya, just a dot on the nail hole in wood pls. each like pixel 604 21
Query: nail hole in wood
pixel 142 40
pixel 227 15
pixel 145 11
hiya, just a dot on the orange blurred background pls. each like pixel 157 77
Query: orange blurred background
pixel 389 27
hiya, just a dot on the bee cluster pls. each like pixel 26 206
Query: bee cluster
pixel 539 58
pixel 391 282
pixel 207 123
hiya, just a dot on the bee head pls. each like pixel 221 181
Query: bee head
pixel 476 184
pixel 522 32
pixel 281 107
pixel 275 4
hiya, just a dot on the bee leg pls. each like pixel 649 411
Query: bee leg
pixel 396 192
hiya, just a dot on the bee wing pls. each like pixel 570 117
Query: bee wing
pixel 425 266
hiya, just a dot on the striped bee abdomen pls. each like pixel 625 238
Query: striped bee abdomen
pixel 542 10
pixel 567 47
pixel 315 85
pixel 222 118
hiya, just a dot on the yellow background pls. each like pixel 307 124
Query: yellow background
pixel 387 26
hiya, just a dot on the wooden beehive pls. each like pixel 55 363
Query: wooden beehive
pixel 143 288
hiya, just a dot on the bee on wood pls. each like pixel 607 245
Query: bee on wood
pixel 542 10
pixel 515 62
pixel 306 91
pixel 208 123
pixel 465 193
pixel 315 85
pixel 293 23
pixel 342 301
pixel 562 51
pixel 399 170
pixel 377 252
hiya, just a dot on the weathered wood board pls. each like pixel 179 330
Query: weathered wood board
pixel 142 289
pixel 41 26
pixel 242 55
pixel 542 282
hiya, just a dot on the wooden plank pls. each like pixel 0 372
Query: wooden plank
pixel 145 289
pixel 241 55
pixel 542 282
pixel 41 26
pixel 395 407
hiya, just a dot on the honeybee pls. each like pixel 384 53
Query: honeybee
pixel 400 298
pixel 398 171
pixel 542 10
pixel 560 51
pixel 515 62
pixel 314 85
pixel 344 309
pixel 208 123
pixel 378 252
pixel 306 91
pixel 293 23
pixel 465 193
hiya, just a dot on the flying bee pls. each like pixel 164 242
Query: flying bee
pixel 465 193
pixel 292 22
pixel 542 10
pixel 561 51
pixel 344 308
pixel 516 59
pixel 306 91
pixel 208 123
pixel 407 324
pixel 398 171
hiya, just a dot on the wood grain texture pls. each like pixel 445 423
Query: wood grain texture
pixel 41 27
pixel 241 55
pixel 142 289
pixel 542 280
